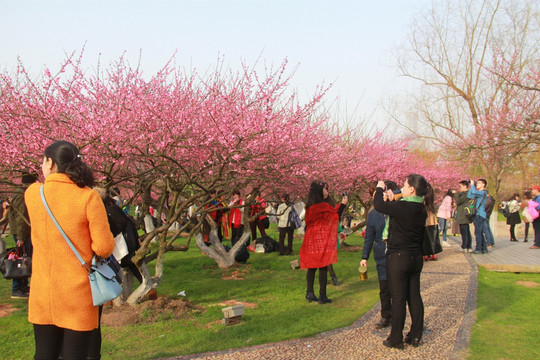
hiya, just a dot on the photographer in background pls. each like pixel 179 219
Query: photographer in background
pixel 478 191
pixel 17 216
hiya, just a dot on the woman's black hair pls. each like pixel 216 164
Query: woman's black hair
pixel 423 188
pixel 449 193
pixel 316 196
pixel 68 161
pixel 516 195
pixel 287 198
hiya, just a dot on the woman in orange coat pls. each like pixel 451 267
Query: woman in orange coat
pixel 60 304
pixel 319 248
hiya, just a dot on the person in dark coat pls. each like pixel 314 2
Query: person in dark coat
pixel 461 219
pixel 17 216
pixel 373 240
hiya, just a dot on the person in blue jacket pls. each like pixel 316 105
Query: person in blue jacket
pixel 373 240
pixel 535 191
pixel 478 191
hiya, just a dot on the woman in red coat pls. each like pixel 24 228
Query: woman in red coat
pixel 319 248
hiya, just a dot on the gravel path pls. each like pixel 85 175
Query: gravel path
pixel 449 294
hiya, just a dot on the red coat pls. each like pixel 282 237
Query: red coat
pixel 319 248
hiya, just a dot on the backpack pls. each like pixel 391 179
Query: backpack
pixel 242 255
pixel 471 209
pixel 269 244
pixel 489 205
pixel 505 211
pixel 294 220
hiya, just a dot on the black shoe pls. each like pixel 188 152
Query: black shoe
pixel 310 296
pixel 383 323
pixel 413 341
pixel 19 294
pixel 324 300
pixel 335 280
pixel 395 346
pixel 525 240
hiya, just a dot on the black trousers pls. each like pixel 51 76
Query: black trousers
pixel 384 296
pixel 254 225
pixel 282 232
pixel 536 227
pixel 51 340
pixel 310 277
pixel 466 238
pixel 513 232
pixel 403 272
pixel 236 234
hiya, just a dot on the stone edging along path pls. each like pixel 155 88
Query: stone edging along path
pixel 449 292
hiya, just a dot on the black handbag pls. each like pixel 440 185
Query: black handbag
pixel 15 264
pixel 431 244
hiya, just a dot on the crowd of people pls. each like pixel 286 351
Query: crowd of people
pixel 66 323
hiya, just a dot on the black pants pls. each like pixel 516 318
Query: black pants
pixel 403 272
pixel 384 296
pixel 94 348
pixel 527 230
pixel 310 277
pixel 536 227
pixel 282 232
pixel 466 238
pixel 236 234
pixel 51 340
pixel 513 232
pixel 254 225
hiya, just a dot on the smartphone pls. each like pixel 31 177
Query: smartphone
pixel 344 194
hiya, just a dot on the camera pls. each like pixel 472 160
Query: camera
pixel 344 194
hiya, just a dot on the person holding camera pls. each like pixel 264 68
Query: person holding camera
pixel 319 248
pixel 404 261
pixel 375 224
pixel 481 225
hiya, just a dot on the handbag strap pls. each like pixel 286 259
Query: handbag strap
pixel 81 260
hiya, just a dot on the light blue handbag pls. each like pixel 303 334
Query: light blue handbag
pixel 104 274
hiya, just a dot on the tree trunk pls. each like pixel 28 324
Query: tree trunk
pixel 217 252
pixel 148 284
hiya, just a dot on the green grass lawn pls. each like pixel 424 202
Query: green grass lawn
pixel 507 317
pixel 267 280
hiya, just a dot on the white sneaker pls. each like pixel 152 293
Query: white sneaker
pixel 470 250
pixel 446 244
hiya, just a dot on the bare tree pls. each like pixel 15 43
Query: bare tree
pixel 461 107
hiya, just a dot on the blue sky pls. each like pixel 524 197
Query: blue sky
pixel 347 43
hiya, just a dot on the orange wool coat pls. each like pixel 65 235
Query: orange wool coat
pixel 60 290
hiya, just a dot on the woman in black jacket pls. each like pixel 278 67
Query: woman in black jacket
pixel 407 220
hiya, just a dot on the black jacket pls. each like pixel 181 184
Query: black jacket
pixel 407 223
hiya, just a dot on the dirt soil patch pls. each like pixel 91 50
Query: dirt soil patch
pixel 529 284
pixel 351 248
pixel 148 312
pixel 6 309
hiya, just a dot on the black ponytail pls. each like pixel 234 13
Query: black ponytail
pixel 68 161
pixel 423 188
